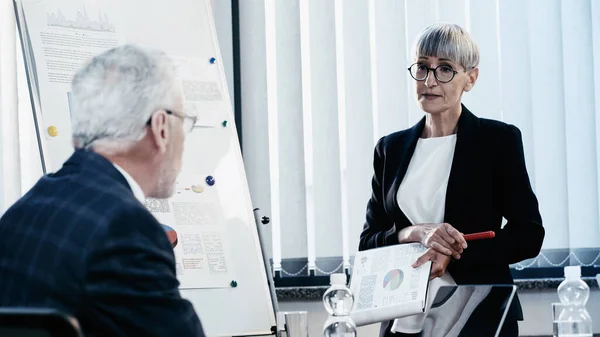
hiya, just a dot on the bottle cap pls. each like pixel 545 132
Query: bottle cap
pixel 337 279
pixel 572 272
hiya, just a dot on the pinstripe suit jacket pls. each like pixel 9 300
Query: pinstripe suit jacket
pixel 79 241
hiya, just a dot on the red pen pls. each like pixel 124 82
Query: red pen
pixel 479 236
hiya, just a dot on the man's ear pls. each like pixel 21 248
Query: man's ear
pixel 159 131
pixel 472 74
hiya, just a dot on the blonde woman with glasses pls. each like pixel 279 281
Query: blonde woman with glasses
pixel 451 174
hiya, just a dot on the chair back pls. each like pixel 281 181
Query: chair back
pixel 37 322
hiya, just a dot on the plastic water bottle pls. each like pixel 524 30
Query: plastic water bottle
pixel 338 301
pixel 574 320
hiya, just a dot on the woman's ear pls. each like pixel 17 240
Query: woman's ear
pixel 472 74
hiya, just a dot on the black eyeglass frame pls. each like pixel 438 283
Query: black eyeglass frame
pixel 434 70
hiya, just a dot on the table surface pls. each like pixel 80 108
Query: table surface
pixel 307 293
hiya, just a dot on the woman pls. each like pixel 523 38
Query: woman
pixel 454 173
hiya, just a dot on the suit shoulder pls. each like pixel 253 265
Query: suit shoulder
pixel 107 190
pixel 127 219
pixel 499 135
pixel 393 139
pixel 129 216
pixel 95 199
pixel 498 128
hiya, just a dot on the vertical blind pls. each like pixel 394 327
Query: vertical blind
pixel 323 80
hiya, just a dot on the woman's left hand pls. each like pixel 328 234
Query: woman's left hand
pixel 440 262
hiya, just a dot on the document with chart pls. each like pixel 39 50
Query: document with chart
pixel 194 223
pixel 386 286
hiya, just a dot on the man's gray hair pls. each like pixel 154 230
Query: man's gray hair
pixel 448 41
pixel 115 94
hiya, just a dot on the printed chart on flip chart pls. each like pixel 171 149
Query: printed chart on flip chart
pixel 194 222
pixel 65 34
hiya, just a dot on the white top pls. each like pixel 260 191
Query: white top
pixel 422 198
pixel 422 193
pixel 135 187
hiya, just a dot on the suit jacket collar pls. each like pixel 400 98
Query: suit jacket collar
pixel 87 160
pixel 135 187
pixel 467 127
pixel 462 165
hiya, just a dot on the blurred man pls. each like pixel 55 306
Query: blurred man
pixel 81 240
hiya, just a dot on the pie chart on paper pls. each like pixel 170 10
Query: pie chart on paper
pixel 171 234
pixel 393 279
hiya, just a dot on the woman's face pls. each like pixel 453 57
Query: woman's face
pixel 436 97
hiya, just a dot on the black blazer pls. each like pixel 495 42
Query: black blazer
pixel 488 181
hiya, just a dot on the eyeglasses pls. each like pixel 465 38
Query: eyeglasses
pixel 443 73
pixel 188 121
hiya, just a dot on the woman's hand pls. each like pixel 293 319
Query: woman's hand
pixel 439 262
pixel 441 237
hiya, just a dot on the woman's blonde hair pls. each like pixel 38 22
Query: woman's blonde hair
pixel 448 41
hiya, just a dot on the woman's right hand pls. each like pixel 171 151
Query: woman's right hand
pixel 441 237
pixel 440 262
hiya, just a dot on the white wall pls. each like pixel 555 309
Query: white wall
pixel 10 182
pixel 536 308
pixel 222 17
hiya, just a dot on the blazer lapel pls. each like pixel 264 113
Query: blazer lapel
pixel 460 169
